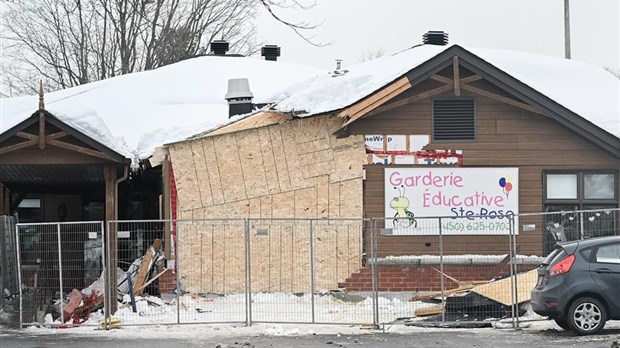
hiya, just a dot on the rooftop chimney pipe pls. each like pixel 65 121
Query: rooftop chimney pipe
pixel 239 97
pixel 219 47
pixel 270 52
pixel 435 38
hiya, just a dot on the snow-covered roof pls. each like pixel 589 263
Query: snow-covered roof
pixel 135 113
pixel 585 89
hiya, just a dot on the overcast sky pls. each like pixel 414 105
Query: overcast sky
pixel 357 28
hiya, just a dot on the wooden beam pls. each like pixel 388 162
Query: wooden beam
pixel 41 130
pixel 7 149
pixel 79 149
pixel 502 99
pixel 28 136
pixel 470 79
pixel 409 100
pixel 109 176
pixel 361 108
pixel 259 120
pixel 55 136
pixel 450 82
pixel 456 76
pixel 165 204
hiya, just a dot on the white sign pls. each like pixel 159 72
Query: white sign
pixel 469 200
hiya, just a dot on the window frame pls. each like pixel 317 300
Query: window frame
pixel 580 201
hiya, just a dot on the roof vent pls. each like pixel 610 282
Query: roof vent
pixel 270 52
pixel 239 97
pixel 438 38
pixel 219 47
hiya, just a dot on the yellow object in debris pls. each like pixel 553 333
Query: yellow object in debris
pixel 113 323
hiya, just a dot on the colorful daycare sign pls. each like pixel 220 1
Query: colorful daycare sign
pixel 469 200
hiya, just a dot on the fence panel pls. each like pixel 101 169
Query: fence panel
pixel 55 259
pixel 297 266
pixel 378 271
pixel 444 267
pixel 212 270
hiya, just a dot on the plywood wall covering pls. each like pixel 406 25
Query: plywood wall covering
pixel 294 170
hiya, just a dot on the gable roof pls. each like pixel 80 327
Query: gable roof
pixel 93 146
pixel 132 114
pixel 581 96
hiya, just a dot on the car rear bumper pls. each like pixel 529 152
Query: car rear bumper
pixel 550 301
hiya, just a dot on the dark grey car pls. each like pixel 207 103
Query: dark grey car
pixel 579 285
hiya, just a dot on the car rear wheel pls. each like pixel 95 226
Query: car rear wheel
pixel 586 316
pixel 562 323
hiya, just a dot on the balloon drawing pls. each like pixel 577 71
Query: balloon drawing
pixel 506 186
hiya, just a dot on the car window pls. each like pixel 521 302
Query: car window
pixel 586 253
pixel 608 253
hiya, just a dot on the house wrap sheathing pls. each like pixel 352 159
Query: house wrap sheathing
pixel 296 169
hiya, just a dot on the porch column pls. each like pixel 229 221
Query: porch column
pixel 109 174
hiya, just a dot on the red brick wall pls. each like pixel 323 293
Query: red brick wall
pixel 167 282
pixel 424 278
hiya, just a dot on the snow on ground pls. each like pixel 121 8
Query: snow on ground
pixel 265 307
pixel 474 259
pixel 274 314
pixel 208 314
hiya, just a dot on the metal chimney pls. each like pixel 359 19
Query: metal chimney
pixel 435 38
pixel 239 97
pixel 270 52
pixel 219 47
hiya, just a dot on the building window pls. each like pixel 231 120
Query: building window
pixel 562 186
pixel 454 120
pixel 29 210
pixel 598 186
pixel 581 188
pixel 569 191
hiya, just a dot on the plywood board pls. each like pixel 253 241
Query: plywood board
pixel 351 198
pixel 215 182
pixel 305 203
pixel 292 152
pixel 279 154
pixel 322 196
pixel 202 173
pixel 185 176
pixel 229 166
pixel 269 162
pixel 500 291
pixel 252 165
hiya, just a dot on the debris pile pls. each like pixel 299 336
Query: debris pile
pixel 478 300
pixel 140 277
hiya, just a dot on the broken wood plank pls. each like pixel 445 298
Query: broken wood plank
pixel 501 290
pixel 433 310
pixel 434 294
pixel 137 290
pixel 145 266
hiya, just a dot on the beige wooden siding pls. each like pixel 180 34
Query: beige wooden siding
pixel 506 136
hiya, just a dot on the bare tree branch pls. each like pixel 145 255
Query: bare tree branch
pixel 73 42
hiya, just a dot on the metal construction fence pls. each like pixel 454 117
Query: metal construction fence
pixel 400 270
